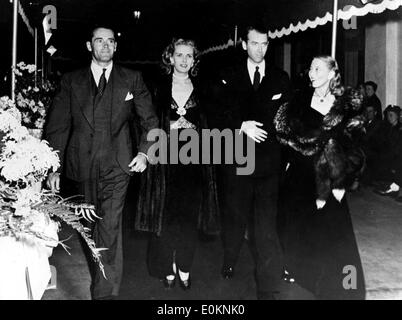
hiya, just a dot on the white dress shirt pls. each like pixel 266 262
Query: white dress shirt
pixel 251 69
pixel 97 71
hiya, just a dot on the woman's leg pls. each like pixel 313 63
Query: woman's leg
pixel 160 255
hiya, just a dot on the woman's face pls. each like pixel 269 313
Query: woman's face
pixel 362 90
pixel 319 73
pixel 182 59
pixel 392 117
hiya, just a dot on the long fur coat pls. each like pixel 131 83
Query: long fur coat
pixel 153 182
pixel 334 145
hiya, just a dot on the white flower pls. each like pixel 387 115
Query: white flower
pixel 42 111
pixel 31 68
pixel 39 123
pixel 9 121
pixel 6 103
pixel 19 133
pixel 26 158
pixel 25 117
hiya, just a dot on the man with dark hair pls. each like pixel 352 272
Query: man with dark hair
pixel 252 93
pixel 89 125
pixel 372 99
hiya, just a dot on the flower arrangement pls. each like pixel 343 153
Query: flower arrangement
pixel 33 95
pixel 26 210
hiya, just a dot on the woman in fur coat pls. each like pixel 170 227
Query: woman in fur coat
pixel 320 128
pixel 177 199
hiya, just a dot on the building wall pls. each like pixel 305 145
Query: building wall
pixel 382 60
pixel 375 58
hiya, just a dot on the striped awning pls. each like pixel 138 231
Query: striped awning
pixel 290 16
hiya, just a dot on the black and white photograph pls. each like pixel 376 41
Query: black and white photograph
pixel 197 155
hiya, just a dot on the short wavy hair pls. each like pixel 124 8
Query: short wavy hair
pixel 393 108
pixel 169 51
pixel 335 85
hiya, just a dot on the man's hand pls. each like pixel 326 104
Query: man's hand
pixel 250 128
pixel 139 163
pixel 53 181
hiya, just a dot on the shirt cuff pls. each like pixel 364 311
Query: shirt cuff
pixel 144 154
pixel 241 128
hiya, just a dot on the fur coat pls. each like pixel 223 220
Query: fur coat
pixel 153 182
pixel 334 146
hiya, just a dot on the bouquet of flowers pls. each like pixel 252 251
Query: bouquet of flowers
pixel 33 95
pixel 24 208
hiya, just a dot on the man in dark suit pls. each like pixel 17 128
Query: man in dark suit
pixel 89 125
pixel 253 92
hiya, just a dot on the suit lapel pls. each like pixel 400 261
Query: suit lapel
pixel 121 88
pixel 245 78
pixel 268 81
pixel 84 94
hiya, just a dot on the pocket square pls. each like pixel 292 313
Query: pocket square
pixel 277 96
pixel 129 96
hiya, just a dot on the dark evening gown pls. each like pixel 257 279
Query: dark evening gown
pixel 183 199
pixel 318 244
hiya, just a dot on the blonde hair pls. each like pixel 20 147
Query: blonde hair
pixel 335 86
pixel 169 51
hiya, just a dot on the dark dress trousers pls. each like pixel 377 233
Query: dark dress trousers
pixel 252 199
pixel 92 134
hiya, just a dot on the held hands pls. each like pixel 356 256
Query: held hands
pixel 139 163
pixel 53 182
pixel 250 128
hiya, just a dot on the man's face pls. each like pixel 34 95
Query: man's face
pixel 256 45
pixel 370 113
pixel 369 90
pixel 103 45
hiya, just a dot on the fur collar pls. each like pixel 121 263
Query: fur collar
pixel 343 119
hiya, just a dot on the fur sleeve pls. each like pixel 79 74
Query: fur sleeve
pixel 286 128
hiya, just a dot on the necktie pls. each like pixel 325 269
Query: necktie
pixel 102 83
pixel 256 81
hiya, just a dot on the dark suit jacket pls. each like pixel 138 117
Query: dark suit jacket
pixel 242 103
pixel 70 126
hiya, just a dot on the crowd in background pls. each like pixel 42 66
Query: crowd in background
pixel 382 144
